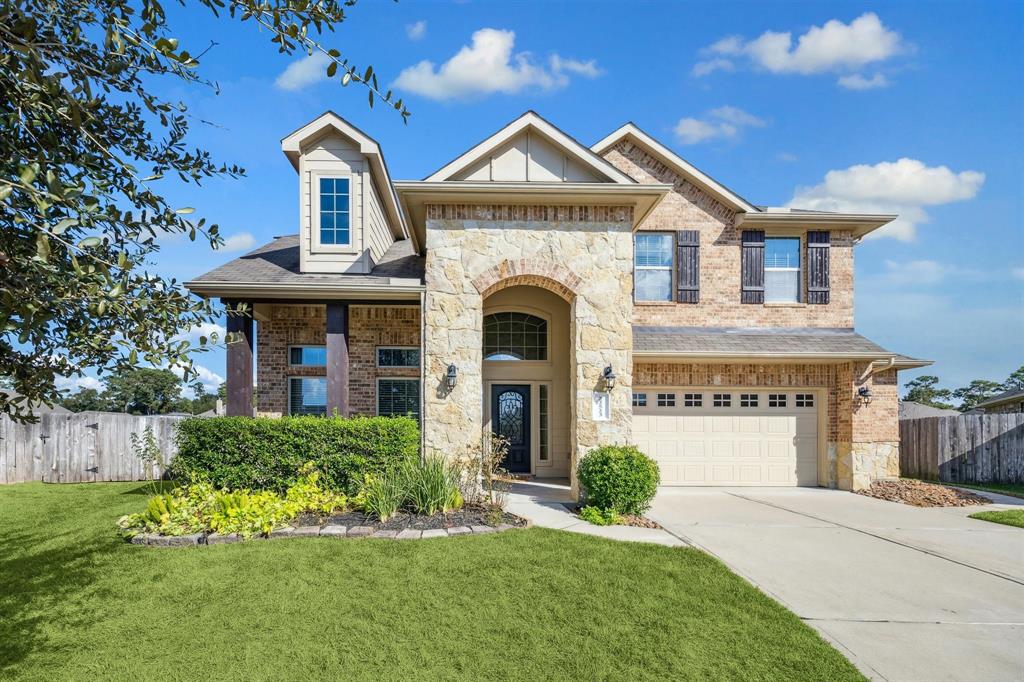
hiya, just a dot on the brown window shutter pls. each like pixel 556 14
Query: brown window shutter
pixel 817 267
pixel 688 266
pixel 752 266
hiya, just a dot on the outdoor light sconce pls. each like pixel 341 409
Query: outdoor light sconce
pixel 864 393
pixel 608 376
pixel 451 377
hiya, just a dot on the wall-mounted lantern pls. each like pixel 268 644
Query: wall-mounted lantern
pixel 451 377
pixel 864 394
pixel 608 377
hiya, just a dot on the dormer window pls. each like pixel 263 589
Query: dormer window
pixel 334 210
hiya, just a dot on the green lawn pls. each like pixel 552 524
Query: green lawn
pixel 76 602
pixel 1011 489
pixel 1008 517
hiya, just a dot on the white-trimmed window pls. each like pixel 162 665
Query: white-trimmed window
pixel 693 399
pixel 805 400
pixel 639 400
pixel 782 270
pixel 748 400
pixel 398 356
pixel 666 400
pixel 544 432
pixel 334 211
pixel 398 397
pixel 307 356
pixel 307 396
pixel 652 266
pixel 723 400
pixel 776 400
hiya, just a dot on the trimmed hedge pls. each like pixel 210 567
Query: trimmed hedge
pixel 619 478
pixel 266 454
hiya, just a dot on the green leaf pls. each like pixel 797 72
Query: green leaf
pixel 89 242
pixel 63 225
pixel 42 246
pixel 332 69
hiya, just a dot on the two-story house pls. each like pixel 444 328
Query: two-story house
pixel 566 297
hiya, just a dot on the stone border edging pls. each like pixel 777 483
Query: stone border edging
pixel 331 531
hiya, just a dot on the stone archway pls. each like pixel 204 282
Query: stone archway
pixel 538 272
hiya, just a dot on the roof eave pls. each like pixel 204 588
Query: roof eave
pixel 396 289
pixel 859 223
pixel 765 357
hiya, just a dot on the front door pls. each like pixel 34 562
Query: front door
pixel 510 417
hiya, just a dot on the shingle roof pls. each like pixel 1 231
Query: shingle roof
pixel 912 410
pixel 278 263
pixel 1003 397
pixel 712 341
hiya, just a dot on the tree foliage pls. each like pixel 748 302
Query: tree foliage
pixel 925 391
pixel 977 391
pixel 86 400
pixel 86 141
pixel 144 391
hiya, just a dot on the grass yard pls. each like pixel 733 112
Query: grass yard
pixel 1011 489
pixel 76 602
pixel 1007 517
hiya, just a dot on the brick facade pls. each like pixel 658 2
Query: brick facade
pixel 688 207
pixel 369 327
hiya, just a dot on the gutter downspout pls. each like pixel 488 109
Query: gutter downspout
pixel 871 370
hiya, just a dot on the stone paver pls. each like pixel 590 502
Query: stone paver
pixel 460 530
pixel 286 532
pixel 385 534
pixel 482 529
pixel 360 531
pixel 434 533
pixel 306 531
pixel 218 539
pixel 409 534
pixel 334 531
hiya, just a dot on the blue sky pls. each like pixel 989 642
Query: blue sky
pixel 915 108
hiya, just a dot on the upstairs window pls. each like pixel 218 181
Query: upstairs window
pixel 397 356
pixel 307 356
pixel 334 198
pixel 652 267
pixel 515 336
pixel 782 270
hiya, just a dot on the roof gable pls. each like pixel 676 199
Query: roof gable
pixel 676 162
pixel 529 149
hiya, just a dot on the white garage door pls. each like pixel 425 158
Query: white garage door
pixel 728 437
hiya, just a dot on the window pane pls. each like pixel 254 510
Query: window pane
pixel 653 285
pixel 782 285
pixel 326 185
pixel 653 250
pixel 341 220
pixel 326 220
pixel 309 355
pixel 399 397
pixel 519 336
pixel 782 252
pixel 341 187
pixel 398 357
pixel 308 395
pixel 542 395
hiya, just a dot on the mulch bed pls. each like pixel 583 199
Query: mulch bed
pixel 627 519
pixel 921 494
pixel 465 517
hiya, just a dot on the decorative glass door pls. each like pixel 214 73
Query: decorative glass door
pixel 510 418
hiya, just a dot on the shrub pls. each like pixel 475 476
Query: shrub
pixel 384 495
pixel 619 478
pixel 432 486
pixel 266 454
pixel 600 517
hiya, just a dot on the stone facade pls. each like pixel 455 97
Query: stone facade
pixel 861 440
pixel 688 207
pixel 369 327
pixel 582 253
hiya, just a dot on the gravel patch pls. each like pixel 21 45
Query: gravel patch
pixel 921 494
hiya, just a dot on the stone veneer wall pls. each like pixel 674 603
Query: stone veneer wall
pixel 688 207
pixel 369 327
pixel 862 440
pixel 583 253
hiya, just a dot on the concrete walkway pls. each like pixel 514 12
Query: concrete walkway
pixel 905 593
pixel 544 504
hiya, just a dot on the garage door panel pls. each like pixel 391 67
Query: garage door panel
pixel 732 445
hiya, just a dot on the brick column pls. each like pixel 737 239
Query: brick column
pixel 239 361
pixel 337 359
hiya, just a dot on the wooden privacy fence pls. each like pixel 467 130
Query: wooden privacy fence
pixel 80 448
pixel 969 448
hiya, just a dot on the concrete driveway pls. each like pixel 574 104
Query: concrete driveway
pixel 904 593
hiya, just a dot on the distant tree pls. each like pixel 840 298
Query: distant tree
pixel 976 392
pixel 86 400
pixel 202 403
pixel 222 390
pixel 1015 380
pixel 90 134
pixel 925 391
pixel 144 391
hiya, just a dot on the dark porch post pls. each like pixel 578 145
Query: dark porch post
pixel 239 362
pixel 337 359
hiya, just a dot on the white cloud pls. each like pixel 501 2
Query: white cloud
pixel 487 66
pixel 722 123
pixel 207 378
pixel 243 241
pixel 416 31
pixel 905 187
pixel 855 81
pixel 207 329
pixel 834 46
pixel 76 384
pixel 303 72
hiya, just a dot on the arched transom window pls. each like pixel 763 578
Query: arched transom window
pixel 515 336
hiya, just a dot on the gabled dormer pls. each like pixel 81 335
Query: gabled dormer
pixel 348 212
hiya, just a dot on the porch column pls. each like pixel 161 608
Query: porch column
pixel 337 359
pixel 239 361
